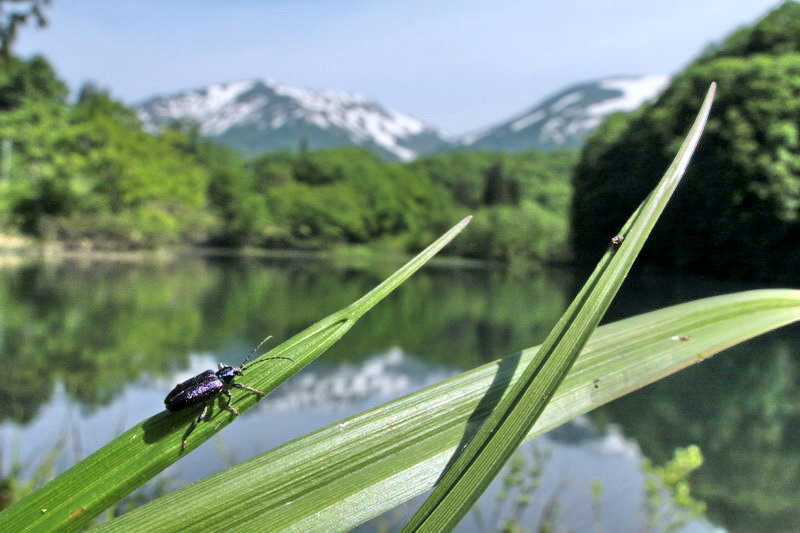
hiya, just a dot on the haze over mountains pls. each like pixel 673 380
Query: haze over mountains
pixel 263 115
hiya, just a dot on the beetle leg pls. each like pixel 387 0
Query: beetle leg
pixel 228 407
pixel 240 386
pixel 191 428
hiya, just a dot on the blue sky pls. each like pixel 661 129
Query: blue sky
pixel 458 65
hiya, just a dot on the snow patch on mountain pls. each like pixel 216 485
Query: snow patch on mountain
pixel 524 122
pixel 262 115
pixel 565 118
pixel 566 101
pixel 265 106
pixel 635 92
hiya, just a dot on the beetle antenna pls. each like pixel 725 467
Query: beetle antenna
pixel 255 350
pixel 270 358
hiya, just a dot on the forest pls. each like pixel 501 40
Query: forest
pixel 738 213
pixel 87 175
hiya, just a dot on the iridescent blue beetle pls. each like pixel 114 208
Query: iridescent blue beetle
pixel 205 387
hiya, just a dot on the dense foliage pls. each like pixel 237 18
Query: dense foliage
pixel 739 211
pixel 87 171
pixel 87 174
pixel 520 201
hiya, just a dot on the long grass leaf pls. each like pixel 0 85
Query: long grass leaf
pixel 346 473
pixel 504 430
pixel 72 499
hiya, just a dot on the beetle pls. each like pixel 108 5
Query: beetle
pixel 205 387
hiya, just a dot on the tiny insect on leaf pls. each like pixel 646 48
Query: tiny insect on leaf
pixel 204 388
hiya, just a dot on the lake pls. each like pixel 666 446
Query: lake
pixel 90 348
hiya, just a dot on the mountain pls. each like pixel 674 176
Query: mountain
pixel 566 118
pixel 262 115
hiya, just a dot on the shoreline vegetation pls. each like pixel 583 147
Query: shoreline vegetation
pixel 15 249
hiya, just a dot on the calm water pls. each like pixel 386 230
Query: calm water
pixel 88 350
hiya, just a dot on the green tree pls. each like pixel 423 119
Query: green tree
pixel 777 33
pixel 463 173
pixel 31 80
pixel 347 195
pixel 89 171
pixel 499 189
pixel 746 172
pixel 15 13
pixel 32 112
pixel 34 186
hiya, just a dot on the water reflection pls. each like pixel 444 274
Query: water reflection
pixel 325 387
pixel 98 346
pixel 742 408
pixel 97 329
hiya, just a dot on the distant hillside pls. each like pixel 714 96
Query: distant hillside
pixel 258 116
pixel 564 119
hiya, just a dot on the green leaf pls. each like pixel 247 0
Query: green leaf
pixel 347 473
pixel 500 435
pixel 72 499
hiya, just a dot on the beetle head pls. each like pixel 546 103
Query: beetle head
pixel 227 373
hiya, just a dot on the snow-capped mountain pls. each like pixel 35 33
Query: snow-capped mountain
pixel 566 118
pixel 261 115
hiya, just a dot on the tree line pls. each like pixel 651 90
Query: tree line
pixel 87 174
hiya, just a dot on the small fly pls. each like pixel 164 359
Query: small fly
pixel 204 388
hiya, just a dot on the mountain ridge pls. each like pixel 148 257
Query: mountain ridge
pixel 263 115
pixel 564 119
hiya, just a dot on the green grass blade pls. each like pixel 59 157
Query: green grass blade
pixel 501 434
pixel 347 473
pixel 72 499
